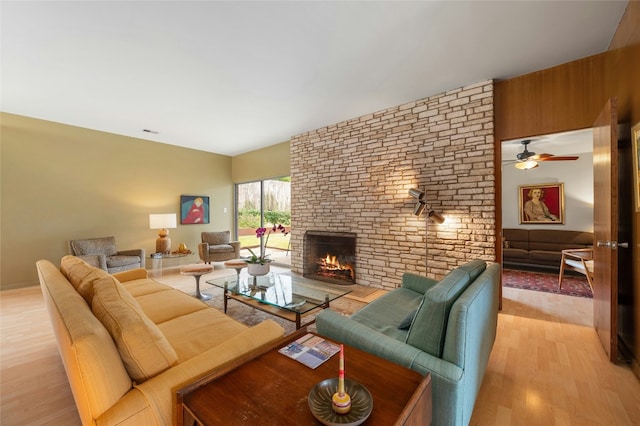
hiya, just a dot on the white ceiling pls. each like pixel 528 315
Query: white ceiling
pixel 230 77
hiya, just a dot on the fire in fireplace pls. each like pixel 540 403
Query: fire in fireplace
pixel 331 267
pixel 330 256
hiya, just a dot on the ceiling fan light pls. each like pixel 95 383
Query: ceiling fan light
pixel 527 165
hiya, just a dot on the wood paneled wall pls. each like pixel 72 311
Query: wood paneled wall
pixel 628 31
pixel 569 96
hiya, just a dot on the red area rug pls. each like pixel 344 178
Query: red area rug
pixel 571 285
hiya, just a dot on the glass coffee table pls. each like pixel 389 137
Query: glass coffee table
pixel 289 297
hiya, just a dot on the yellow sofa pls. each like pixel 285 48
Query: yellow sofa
pixel 128 343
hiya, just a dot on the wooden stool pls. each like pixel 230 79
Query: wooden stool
pixel 197 271
pixel 236 264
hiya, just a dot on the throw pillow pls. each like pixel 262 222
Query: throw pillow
pixel 81 275
pixel 144 350
pixel 428 329
pixel 406 322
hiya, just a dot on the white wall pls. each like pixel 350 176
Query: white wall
pixel 577 177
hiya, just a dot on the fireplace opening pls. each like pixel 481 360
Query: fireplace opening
pixel 330 256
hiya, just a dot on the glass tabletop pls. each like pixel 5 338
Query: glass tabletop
pixel 290 292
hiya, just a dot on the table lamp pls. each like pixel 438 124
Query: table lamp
pixel 163 222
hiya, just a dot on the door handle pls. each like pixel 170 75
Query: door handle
pixel 612 244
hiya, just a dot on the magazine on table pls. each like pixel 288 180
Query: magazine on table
pixel 310 350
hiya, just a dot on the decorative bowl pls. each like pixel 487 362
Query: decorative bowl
pixel 320 403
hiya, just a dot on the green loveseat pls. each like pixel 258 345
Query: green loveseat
pixel 444 327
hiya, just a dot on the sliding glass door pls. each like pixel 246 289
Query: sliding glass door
pixel 265 204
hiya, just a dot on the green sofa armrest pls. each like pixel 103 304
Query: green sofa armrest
pixel 417 283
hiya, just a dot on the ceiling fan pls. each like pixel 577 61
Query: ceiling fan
pixel 529 160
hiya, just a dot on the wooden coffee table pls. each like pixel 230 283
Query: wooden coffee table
pixel 267 387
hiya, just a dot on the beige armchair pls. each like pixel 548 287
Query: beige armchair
pixel 102 253
pixel 216 247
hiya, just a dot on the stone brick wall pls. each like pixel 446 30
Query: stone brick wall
pixel 354 176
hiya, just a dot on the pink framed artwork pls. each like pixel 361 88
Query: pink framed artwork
pixel 194 209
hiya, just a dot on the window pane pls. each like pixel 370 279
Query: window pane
pixel 248 211
pixel 265 203
pixel 277 210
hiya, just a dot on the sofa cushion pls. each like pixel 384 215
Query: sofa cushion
pixel 81 275
pixel 515 254
pixel 221 248
pixel 207 328
pixel 143 286
pixel 144 350
pixel 106 246
pixel 118 261
pixel 427 331
pixel 385 313
pixel 162 306
pixel 543 256
pixel 518 238
pixel 473 268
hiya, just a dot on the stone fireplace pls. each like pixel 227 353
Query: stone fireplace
pixel 354 176
pixel 330 256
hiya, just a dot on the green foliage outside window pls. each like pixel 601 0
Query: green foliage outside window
pixel 250 218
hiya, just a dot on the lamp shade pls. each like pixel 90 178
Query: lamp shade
pixel 419 208
pixel 436 217
pixel 162 221
pixel 416 193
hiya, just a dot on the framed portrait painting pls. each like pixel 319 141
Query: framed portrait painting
pixel 541 203
pixel 194 209
pixel 635 146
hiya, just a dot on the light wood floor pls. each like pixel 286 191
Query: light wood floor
pixel 547 366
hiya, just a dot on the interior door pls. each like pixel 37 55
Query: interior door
pixel 605 218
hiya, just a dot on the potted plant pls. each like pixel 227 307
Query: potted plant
pixel 259 265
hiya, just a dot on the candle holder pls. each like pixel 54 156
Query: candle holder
pixel 321 403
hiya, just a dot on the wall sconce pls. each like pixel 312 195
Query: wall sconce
pixel 163 222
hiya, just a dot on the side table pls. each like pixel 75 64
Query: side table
pixel 267 387
pixel 197 271
pixel 156 266
pixel 236 264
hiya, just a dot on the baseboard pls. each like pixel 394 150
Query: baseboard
pixel 625 352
